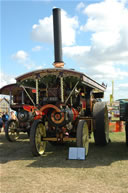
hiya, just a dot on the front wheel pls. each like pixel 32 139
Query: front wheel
pixel 11 132
pixel 82 137
pixel 37 132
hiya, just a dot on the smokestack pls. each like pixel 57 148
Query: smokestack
pixel 58 63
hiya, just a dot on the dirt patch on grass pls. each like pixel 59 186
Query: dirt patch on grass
pixel 104 170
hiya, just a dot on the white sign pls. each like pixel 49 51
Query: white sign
pixel 76 153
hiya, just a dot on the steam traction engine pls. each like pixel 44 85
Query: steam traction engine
pixel 57 105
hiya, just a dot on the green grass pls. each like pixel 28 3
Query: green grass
pixel 104 170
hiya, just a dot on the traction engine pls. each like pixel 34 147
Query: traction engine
pixel 57 105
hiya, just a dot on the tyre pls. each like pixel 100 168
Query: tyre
pixel 82 135
pixel 28 133
pixel 11 132
pixel 37 132
pixel 101 123
pixel 126 132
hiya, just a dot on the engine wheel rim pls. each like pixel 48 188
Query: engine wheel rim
pixel 106 124
pixel 12 131
pixel 85 138
pixel 40 132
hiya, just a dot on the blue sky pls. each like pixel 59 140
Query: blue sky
pixel 94 37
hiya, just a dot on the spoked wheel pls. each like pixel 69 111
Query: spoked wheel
pixel 11 132
pixel 101 123
pixel 126 132
pixel 82 137
pixel 37 132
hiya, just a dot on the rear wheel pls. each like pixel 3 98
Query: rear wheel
pixel 83 135
pixel 37 132
pixel 11 132
pixel 101 123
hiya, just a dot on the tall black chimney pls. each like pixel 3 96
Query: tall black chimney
pixel 58 63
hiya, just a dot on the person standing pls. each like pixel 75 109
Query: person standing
pixel 4 118
pixel 109 116
pixel 1 123
pixel 13 116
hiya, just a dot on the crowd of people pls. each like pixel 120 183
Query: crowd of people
pixel 4 117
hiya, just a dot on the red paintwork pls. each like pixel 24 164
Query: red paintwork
pixel 75 114
pixel 33 90
pixel 38 113
pixel 49 106
pixel 29 108
pixel 43 111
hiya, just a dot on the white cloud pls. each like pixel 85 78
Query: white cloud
pixel 96 65
pixel 23 58
pixel 80 6
pixel 40 67
pixel 36 48
pixel 107 21
pixel 29 65
pixel 6 79
pixel 124 85
pixel 106 58
pixel 20 55
pixel 76 51
pixel 43 31
pixel 109 72
pixel 120 91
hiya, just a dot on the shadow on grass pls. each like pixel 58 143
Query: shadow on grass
pixel 57 156
pixel 19 150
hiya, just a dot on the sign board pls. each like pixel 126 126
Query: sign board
pixel 76 153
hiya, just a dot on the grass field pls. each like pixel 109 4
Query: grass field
pixel 105 170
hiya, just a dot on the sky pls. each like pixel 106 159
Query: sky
pixel 94 39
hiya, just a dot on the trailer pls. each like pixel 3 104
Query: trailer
pixel 57 105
